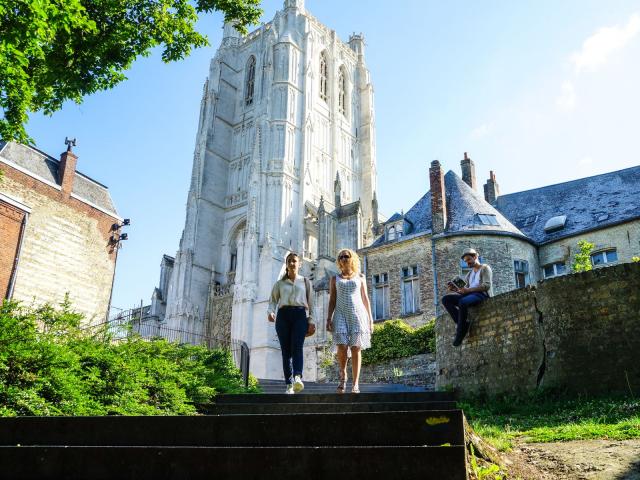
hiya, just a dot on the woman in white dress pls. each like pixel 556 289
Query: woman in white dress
pixel 349 316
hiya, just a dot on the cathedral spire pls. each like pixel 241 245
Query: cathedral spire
pixel 297 4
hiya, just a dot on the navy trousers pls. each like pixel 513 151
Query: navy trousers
pixel 457 305
pixel 291 327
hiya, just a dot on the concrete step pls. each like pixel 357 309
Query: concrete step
pixel 282 408
pixel 409 428
pixel 278 386
pixel 336 397
pixel 159 463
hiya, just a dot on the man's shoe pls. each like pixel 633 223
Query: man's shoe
pixel 460 334
pixel 289 390
pixel 298 386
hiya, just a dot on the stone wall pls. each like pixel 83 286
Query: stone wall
pixel 219 314
pixel 66 248
pixel 390 259
pixel 576 332
pixel 416 370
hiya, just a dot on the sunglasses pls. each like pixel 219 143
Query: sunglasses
pixel 344 257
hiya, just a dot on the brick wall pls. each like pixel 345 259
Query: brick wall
pixel 10 225
pixel 576 332
pixel 66 248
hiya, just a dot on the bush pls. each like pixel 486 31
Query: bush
pixel 396 339
pixel 48 366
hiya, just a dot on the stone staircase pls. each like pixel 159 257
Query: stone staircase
pixel 393 434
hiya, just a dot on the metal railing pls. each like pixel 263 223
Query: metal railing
pixel 127 324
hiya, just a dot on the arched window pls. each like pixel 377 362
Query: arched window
pixel 342 92
pixel 324 76
pixel 391 234
pixel 251 81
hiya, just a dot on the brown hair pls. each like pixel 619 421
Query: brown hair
pixel 286 260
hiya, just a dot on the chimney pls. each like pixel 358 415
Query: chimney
pixel 468 171
pixel 438 200
pixel 67 167
pixel 491 189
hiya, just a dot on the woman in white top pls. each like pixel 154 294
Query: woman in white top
pixel 291 296
pixel 349 316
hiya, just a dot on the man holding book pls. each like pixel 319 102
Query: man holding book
pixel 476 287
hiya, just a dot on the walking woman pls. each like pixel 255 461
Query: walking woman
pixel 291 297
pixel 349 317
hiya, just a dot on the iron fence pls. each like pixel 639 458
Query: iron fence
pixel 134 322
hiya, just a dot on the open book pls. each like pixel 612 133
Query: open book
pixel 458 282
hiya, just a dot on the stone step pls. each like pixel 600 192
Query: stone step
pixel 430 428
pixel 159 463
pixel 336 397
pixel 271 408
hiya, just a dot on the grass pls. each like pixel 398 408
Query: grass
pixel 550 418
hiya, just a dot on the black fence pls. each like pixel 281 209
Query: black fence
pixel 138 322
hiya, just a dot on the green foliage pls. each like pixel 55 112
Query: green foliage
pixel 582 259
pixel 396 339
pixel 49 366
pixel 550 418
pixel 491 471
pixel 633 259
pixel 53 51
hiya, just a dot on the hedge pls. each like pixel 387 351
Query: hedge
pixel 396 339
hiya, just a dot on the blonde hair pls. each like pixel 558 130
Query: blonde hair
pixel 354 261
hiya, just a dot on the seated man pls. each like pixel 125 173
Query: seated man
pixel 479 288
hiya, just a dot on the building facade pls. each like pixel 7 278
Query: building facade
pixel 59 232
pixel 526 237
pixel 284 161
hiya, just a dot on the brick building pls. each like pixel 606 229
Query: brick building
pixel 59 232
pixel 525 236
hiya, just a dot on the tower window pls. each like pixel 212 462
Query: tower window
pixel 342 95
pixel 324 76
pixel 251 81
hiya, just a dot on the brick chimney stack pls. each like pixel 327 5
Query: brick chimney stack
pixel 491 189
pixel 438 198
pixel 67 168
pixel 468 171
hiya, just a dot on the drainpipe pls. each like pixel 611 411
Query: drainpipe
pixel 435 275
pixel 14 271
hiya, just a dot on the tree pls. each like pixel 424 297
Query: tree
pixel 52 51
pixel 582 259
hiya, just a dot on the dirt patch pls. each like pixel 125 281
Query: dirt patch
pixel 576 460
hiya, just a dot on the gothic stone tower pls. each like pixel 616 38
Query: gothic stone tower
pixel 284 111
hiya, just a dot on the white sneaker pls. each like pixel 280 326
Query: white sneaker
pixel 298 386
pixel 289 390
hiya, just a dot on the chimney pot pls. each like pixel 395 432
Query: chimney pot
pixel 468 171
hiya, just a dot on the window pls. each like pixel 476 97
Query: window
pixel 233 261
pixel 487 219
pixel 342 89
pixel 521 270
pixel 607 256
pixel 324 76
pixel 251 81
pixel 554 269
pixel 381 296
pixel 555 223
pixel 410 290
pixel 391 233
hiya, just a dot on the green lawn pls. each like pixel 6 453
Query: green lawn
pixel 545 418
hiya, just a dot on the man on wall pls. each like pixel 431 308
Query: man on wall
pixel 474 288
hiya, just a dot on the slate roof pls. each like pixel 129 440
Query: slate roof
pixel 46 167
pixel 463 206
pixel 588 203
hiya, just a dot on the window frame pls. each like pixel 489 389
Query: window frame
pixel 380 287
pixel 410 278
pixel 605 255
pixel 555 270
pixel 524 272
pixel 342 92
pixel 324 76
pixel 250 81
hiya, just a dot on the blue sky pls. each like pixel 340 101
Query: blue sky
pixel 539 92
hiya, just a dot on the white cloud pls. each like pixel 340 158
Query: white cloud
pixel 567 100
pixel 481 131
pixel 597 48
